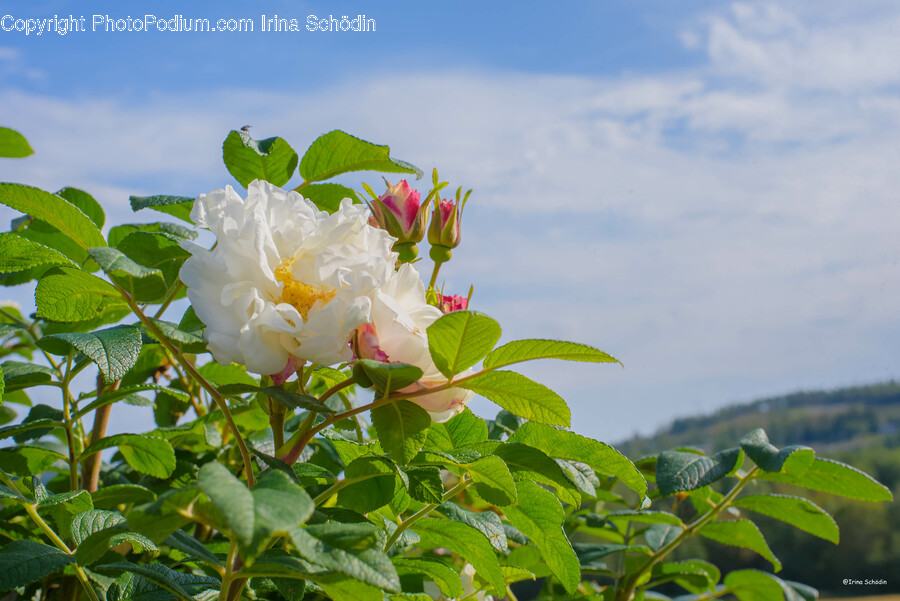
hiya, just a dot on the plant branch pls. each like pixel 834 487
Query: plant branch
pixel 31 510
pixel 217 397
pixel 90 470
pixel 67 416
pixel 402 526
pixel 627 591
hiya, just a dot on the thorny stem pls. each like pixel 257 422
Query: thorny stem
pixel 402 526
pixel 627 590
pixel 217 397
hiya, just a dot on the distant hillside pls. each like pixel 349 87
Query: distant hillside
pixel 829 421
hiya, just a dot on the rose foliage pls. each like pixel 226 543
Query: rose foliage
pixel 309 390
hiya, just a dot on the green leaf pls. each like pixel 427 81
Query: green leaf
pixel 521 396
pixel 568 445
pixel 466 542
pixel 459 340
pixel 68 294
pixel 644 517
pixel 279 506
pixel 338 587
pixel 186 543
pixel 440 573
pixel 13 145
pixel 87 203
pixel 678 471
pixel 130 392
pixel 114 350
pixel 328 197
pixel 740 533
pixel 796 511
pixel 18 375
pixel 24 561
pixel 493 482
pixel 694 575
pixel 792 459
pixel 18 253
pixel 292 400
pixel 145 454
pixel 518 351
pixel 659 535
pixel 95 531
pixel 156 251
pixel 120 232
pixel 76 501
pixel 835 477
pixel 487 522
pixel 176 206
pixel 114 495
pixel 754 585
pixel 337 152
pixel 375 481
pixel 369 565
pixel 539 516
pixel 55 211
pixel 425 484
pixel 143 582
pixel 233 500
pixel 272 160
pixel 402 428
pixel 465 428
pixel 528 463
pixel 390 376
pixel 144 284
pixel 276 505
pixel 186 341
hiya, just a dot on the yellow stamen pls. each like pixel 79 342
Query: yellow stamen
pixel 299 295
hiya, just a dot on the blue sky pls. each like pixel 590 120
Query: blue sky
pixel 707 190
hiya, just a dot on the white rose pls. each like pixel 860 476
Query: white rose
pixel 284 279
pixel 397 333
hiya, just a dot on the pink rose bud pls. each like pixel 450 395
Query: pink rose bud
pixel 399 211
pixel 444 228
pixel 456 302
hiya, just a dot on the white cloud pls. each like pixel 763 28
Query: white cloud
pixel 727 231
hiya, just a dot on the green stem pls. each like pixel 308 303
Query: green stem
pixel 627 591
pixel 217 397
pixel 292 449
pixel 402 526
pixel 226 578
pixel 31 509
pixel 434 274
pixel 276 420
pixel 70 434
pixel 171 296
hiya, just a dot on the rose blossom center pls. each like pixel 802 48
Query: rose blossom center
pixel 300 295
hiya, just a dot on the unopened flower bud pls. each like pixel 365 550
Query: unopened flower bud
pixel 399 211
pixel 444 228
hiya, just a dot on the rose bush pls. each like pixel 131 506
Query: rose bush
pixel 311 438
